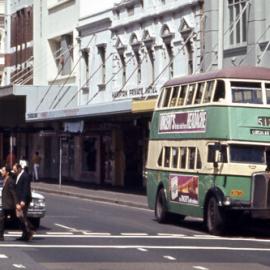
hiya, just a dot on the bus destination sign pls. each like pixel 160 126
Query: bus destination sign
pixel 264 121
pixel 183 122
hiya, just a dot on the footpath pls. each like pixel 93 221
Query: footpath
pixel 96 193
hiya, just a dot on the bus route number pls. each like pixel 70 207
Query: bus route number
pixel 264 121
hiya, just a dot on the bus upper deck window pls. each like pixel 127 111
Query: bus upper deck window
pixel 208 91
pixel 167 96
pixel 175 92
pixel 199 93
pixel 182 95
pixel 267 88
pixel 246 92
pixel 161 98
pixel 191 90
pixel 219 91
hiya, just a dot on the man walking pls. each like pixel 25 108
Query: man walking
pixel 36 159
pixel 9 199
pixel 23 193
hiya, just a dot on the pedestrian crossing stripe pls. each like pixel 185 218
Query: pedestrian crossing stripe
pixel 85 234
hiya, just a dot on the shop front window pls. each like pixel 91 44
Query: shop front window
pixel 89 154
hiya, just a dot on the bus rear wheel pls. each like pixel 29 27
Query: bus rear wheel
pixel 215 219
pixel 161 212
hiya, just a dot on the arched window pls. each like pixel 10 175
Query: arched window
pixel 149 44
pixel 136 45
pixel 186 31
pixel 121 48
pixel 167 37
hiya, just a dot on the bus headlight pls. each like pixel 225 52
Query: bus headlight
pixel 227 201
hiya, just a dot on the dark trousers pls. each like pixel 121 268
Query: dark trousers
pixel 25 224
pixel 3 216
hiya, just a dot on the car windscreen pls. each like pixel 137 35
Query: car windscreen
pixel 247 154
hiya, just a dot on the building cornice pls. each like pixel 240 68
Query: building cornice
pixel 156 14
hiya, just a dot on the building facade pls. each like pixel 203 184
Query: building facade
pixel 241 37
pixel 97 72
pixel 125 52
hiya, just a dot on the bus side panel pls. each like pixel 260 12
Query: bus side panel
pixel 238 188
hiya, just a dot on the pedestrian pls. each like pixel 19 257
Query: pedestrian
pixel 23 193
pixel 9 199
pixel 24 163
pixel 11 159
pixel 36 159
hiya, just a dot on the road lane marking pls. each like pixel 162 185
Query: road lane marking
pixel 169 258
pixel 3 256
pixel 20 266
pixel 65 227
pixel 142 249
pixel 171 234
pixel 96 234
pixel 134 234
pixel 59 233
pixel 133 247
pixel 199 267
pixel 85 234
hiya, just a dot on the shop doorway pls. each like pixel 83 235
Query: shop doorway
pixel 133 147
pixel 91 158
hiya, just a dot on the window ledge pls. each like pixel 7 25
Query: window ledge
pixel 236 50
pixel 62 77
pixel 59 4
pixel 101 87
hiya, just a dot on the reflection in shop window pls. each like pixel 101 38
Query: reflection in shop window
pixel 89 153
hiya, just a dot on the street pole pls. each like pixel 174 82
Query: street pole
pixel 10 150
pixel 220 34
pixel 60 162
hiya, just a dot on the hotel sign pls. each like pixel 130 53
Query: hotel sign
pixel 183 122
pixel 134 93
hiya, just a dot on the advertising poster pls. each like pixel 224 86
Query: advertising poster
pixel 184 188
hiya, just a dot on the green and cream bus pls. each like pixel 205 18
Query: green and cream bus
pixel 209 147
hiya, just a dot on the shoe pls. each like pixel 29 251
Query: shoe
pixel 30 235
pixel 2 238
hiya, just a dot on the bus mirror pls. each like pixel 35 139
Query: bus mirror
pixel 217 158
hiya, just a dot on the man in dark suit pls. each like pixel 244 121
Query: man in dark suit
pixel 23 193
pixel 9 199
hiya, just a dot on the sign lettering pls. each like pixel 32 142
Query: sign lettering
pixel 183 122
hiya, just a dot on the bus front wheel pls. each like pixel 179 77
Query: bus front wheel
pixel 215 219
pixel 161 207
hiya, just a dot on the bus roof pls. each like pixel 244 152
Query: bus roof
pixel 243 72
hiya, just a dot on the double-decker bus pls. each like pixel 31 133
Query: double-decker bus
pixel 209 147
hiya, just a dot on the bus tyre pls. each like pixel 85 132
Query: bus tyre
pixel 215 218
pixel 161 207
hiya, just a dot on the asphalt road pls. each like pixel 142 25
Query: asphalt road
pixel 81 234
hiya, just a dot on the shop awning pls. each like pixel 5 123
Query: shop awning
pixel 147 105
